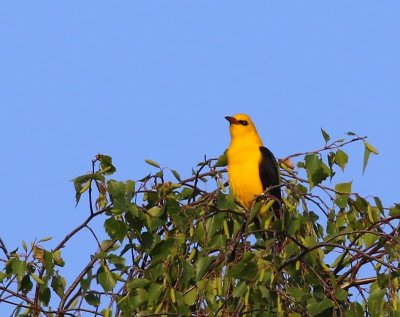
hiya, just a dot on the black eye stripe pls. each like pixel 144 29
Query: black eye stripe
pixel 243 122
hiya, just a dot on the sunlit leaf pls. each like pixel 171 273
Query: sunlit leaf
pixel 190 297
pixel 341 159
pixel 106 165
pixel 176 174
pixel 375 302
pixel 152 163
pixel 137 297
pixel 137 282
pixel 37 279
pixel 367 151
pixel 106 279
pixel 325 135
pixel 317 171
pixel 19 268
pixel 344 188
pixel 116 229
pixel 240 290
pixel 155 291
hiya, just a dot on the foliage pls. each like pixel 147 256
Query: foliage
pixel 175 247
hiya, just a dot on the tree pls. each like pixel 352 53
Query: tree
pixel 177 248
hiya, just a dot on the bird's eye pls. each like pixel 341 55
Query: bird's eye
pixel 243 122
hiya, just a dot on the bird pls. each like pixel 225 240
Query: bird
pixel 252 168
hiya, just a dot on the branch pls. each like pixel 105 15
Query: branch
pixel 4 248
pixel 335 245
pixel 80 227
pixel 361 281
pixel 80 277
pixel 335 144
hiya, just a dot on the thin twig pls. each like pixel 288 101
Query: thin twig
pixel 4 248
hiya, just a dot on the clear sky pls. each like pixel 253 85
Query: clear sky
pixel 154 79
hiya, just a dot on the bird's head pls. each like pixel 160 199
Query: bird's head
pixel 241 126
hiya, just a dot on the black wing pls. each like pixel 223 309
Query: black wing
pixel 269 174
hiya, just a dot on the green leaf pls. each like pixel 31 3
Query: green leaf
pixel 369 239
pixel 107 168
pixel 155 291
pixel 222 160
pixel 37 279
pixel 118 261
pixel 378 203
pixel 116 229
pixel 394 211
pixel 367 151
pixel 155 211
pixel 152 163
pixel 80 183
pixel 19 268
pixel 58 260
pixel 58 285
pixel 356 309
pixel 264 292
pixel 218 241
pixel 344 188
pixel 325 135
pixel 117 191
pixel 202 265
pixel 85 282
pixel 2 276
pixel 24 246
pixel 176 174
pixel 239 290
pixel 375 302
pixel 106 312
pixel 162 249
pixel 190 297
pixel 225 201
pixel 106 279
pixel 26 284
pixel 297 293
pixel 341 159
pixel 48 262
pixel 137 297
pixel 147 240
pixel 186 193
pixel 137 283
pixel 317 307
pixel 371 148
pixel 245 269
pixel 341 294
pixel 341 201
pixel 317 171
pixel 92 299
pixel 188 272
pixel 45 295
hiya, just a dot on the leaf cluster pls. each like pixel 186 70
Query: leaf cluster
pixel 183 247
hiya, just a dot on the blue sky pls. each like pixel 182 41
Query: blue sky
pixel 154 79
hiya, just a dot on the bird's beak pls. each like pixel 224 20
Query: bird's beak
pixel 232 120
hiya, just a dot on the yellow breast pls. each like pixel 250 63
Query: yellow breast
pixel 243 172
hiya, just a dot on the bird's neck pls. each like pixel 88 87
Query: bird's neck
pixel 246 140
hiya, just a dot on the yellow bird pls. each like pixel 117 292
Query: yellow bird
pixel 252 168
